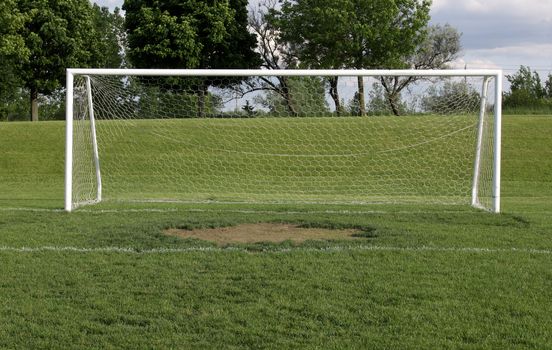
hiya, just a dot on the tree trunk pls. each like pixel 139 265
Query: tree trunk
pixel 34 105
pixel 361 102
pixel 392 98
pixel 288 96
pixel 334 93
pixel 393 93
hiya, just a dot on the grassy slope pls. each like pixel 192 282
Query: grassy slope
pixel 266 297
pixel 288 159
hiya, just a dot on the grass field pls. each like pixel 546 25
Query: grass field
pixel 292 160
pixel 423 276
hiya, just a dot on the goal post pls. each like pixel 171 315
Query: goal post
pixel 283 136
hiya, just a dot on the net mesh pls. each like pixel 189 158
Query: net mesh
pixel 299 139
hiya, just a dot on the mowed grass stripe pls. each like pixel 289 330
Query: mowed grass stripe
pixel 373 300
pixel 284 250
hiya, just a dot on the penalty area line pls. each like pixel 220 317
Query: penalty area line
pixel 137 251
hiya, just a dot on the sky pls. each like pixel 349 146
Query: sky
pixel 495 33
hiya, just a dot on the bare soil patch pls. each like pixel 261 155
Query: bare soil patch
pixel 264 232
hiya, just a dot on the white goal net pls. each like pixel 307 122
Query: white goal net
pixel 325 137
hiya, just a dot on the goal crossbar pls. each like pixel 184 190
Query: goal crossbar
pixel 288 72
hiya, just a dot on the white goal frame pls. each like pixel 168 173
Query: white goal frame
pixel 486 74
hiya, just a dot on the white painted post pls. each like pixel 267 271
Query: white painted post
pixel 478 149
pixel 94 140
pixel 69 143
pixel 497 143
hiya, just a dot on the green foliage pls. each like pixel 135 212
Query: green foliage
pixel 548 86
pixel 12 54
pixel 56 34
pixel 158 39
pixel 378 102
pixel 108 50
pixel 305 97
pixel 457 96
pixel 14 101
pixel 528 93
pixel 352 34
pixel 12 44
pixel 528 82
pixel 175 104
pixel 440 47
pixel 189 34
pixel 16 108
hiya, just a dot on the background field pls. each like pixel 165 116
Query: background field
pixel 423 159
pixel 423 277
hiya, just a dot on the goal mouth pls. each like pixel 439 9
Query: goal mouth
pixel 290 136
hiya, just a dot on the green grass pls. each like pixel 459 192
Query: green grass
pixel 288 159
pixel 424 277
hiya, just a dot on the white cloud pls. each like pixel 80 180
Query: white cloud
pixel 537 10
pixel 510 58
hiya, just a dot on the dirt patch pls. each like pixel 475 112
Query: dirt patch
pixel 264 232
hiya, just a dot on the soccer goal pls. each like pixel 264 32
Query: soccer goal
pixel 283 136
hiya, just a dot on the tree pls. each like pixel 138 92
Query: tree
pixel 12 54
pixel 445 99
pixel 352 34
pixel 378 102
pixel 109 49
pixel 308 98
pixel 248 109
pixel 190 34
pixel 526 80
pixel 548 86
pixel 436 51
pixel 12 43
pixel 528 91
pixel 57 34
pixel 275 54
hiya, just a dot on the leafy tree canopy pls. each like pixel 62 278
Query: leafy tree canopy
pixel 12 50
pixel 527 81
pixel 440 47
pixel 528 93
pixel 12 43
pixel 56 34
pixel 189 34
pixel 352 33
pixel 109 47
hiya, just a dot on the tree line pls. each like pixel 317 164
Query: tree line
pixel 528 93
pixel 40 39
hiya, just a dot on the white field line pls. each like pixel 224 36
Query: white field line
pixel 130 250
pixel 32 209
